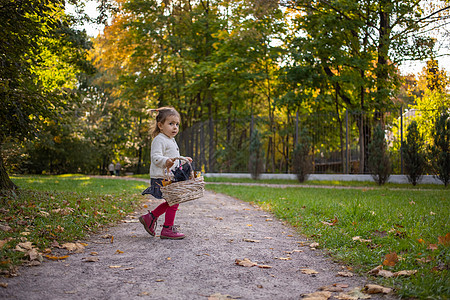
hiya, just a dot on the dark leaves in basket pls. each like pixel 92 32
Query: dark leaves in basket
pixel 182 172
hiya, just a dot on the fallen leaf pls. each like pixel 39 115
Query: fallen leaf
pixel 317 296
pixel 405 273
pixel 3 285
pixel 264 266
pixel 283 258
pixel 90 259
pixel 345 296
pixel 345 274
pixel 390 259
pixel 5 228
pixel 219 296
pixel 56 257
pixel 331 288
pixel 376 289
pixel 385 273
pixel 74 247
pixel 356 292
pixel 314 245
pixel 143 294
pixel 432 247
pixel 115 267
pixel 93 253
pixel 332 223
pixel 118 251
pixel 309 271
pixel 22 247
pixel 444 240
pixel 358 238
pixel 375 270
pixel 245 262
pixel 3 242
pixel 251 241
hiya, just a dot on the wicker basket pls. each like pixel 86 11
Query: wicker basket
pixel 183 191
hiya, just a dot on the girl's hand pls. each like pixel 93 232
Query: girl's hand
pixel 169 162
pixel 189 159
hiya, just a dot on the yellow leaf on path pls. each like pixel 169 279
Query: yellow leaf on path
pixel 249 225
pixel 283 258
pixel 245 262
pixel 264 266
pixel 93 253
pixel 115 267
pixel 390 259
pixel 377 289
pixel 119 252
pixel 317 296
pixel 3 285
pixel 56 257
pixel 309 271
pixel 74 247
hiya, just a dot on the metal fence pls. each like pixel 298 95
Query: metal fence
pixel 339 141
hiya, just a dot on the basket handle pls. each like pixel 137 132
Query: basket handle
pixel 181 158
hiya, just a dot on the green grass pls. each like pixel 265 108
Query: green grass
pixel 401 221
pixel 326 183
pixel 48 209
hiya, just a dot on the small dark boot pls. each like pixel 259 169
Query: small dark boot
pixel 149 222
pixel 170 232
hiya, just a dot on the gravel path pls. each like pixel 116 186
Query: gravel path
pixel 125 262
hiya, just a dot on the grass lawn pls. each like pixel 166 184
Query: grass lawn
pixel 361 226
pixel 66 208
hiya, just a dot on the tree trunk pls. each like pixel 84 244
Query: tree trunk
pixel 5 181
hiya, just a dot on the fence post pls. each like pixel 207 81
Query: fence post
pixel 347 154
pixel 401 140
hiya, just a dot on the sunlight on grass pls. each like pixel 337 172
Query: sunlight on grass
pixel 61 209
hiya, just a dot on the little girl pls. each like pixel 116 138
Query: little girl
pixel 163 151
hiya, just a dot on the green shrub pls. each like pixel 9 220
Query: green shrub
pixel 414 158
pixel 302 161
pixel 378 162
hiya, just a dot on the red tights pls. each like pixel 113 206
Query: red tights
pixel 169 210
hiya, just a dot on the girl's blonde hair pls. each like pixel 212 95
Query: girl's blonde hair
pixel 162 114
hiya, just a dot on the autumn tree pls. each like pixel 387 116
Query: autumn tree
pixel 40 56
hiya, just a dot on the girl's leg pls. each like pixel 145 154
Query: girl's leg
pixel 160 209
pixel 170 214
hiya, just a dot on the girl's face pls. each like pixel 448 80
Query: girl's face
pixel 170 126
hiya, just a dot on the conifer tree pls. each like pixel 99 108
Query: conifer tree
pixel 379 162
pixel 440 150
pixel 414 158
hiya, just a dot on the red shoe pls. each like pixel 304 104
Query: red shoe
pixel 149 222
pixel 170 232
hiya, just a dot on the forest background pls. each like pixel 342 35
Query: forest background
pixel 281 71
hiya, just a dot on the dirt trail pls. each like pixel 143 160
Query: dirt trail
pixel 219 229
